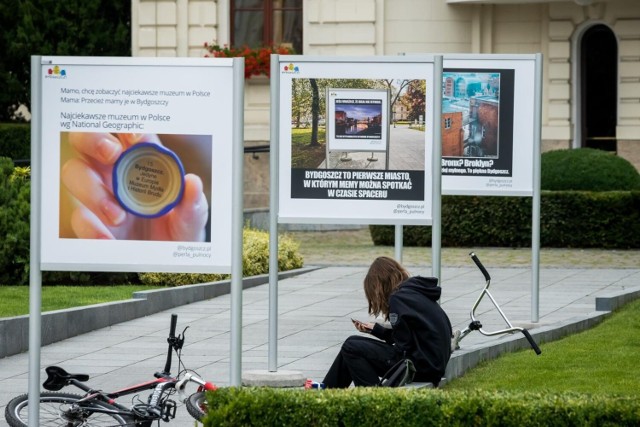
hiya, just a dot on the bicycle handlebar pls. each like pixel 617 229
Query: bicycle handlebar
pixel 170 340
pixel 172 328
pixel 484 271
pixel 532 343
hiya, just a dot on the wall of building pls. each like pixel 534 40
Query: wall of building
pixel 180 28
pixel 567 21
pixel 390 27
pixel 427 26
pixel 453 135
pixel 172 27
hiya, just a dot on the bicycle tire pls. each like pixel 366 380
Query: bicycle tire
pixel 197 405
pixel 52 410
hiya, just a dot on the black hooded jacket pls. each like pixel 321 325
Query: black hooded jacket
pixel 420 329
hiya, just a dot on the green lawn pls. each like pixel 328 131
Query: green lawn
pixel 303 155
pixel 14 300
pixel 601 360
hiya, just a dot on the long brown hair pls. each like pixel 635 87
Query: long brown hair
pixel 384 276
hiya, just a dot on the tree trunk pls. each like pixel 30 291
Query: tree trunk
pixel 315 111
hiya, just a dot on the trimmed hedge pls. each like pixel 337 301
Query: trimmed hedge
pixel 15 141
pixel 568 219
pixel 587 169
pixel 415 407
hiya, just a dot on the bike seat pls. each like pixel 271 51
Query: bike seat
pixel 58 378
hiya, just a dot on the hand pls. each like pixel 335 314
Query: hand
pixel 363 327
pixel 98 215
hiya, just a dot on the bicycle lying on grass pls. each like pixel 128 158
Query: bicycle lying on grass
pixel 476 325
pixel 99 408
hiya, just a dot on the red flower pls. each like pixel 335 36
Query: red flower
pixel 257 61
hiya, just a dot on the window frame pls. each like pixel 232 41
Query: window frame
pixel 267 9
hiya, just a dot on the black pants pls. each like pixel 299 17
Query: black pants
pixel 362 361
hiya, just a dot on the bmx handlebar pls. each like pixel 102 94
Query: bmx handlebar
pixel 484 271
pixel 478 326
pixel 532 343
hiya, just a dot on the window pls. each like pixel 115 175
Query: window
pixel 447 123
pixel 257 23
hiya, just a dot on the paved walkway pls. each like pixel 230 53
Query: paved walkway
pixel 315 310
pixel 406 152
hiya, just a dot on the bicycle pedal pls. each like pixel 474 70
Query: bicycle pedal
pixel 169 410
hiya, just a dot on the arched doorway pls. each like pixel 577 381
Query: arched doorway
pixel 598 87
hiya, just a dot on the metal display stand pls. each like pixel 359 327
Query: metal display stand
pixel 45 238
pixel 433 105
pixel 532 182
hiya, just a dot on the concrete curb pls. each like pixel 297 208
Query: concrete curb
pixel 468 357
pixel 62 324
pixel 279 379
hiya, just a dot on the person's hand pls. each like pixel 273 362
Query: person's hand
pixel 99 215
pixel 363 327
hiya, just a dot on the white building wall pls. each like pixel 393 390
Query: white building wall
pixel 427 26
pixel 389 27
pixel 369 27
pixel 341 27
pixel 628 32
pixel 172 27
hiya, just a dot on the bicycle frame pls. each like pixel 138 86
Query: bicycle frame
pixel 476 325
pixel 160 384
pixel 158 405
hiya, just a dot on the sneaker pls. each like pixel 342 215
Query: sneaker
pixel 309 384
pixel 455 340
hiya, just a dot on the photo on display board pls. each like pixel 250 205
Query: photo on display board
pixel 342 131
pixel 124 186
pixel 477 122
pixel 358 118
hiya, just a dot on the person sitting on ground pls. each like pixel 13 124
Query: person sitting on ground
pixel 420 330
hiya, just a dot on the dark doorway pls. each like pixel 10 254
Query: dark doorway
pixel 599 88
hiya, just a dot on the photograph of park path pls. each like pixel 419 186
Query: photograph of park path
pixel 406 130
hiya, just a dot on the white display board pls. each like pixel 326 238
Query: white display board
pixel 488 124
pixel 351 185
pixel 137 164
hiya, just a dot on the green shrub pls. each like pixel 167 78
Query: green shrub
pixel 578 219
pixel 593 203
pixel 608 220
pixel 15 141
pixel 88 278
pixel 178 279
pixel 587 169
pixel 14 224
pixel 255 261
pixel 15 208
pixel 408 408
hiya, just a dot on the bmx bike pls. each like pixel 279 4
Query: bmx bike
pixel 99 408
pixel 476 325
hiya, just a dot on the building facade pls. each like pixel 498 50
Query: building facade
pixel 591 53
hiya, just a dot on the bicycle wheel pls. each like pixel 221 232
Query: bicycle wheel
pixel 56 410
pixel 197 405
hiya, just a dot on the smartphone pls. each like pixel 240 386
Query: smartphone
pixel 358 324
